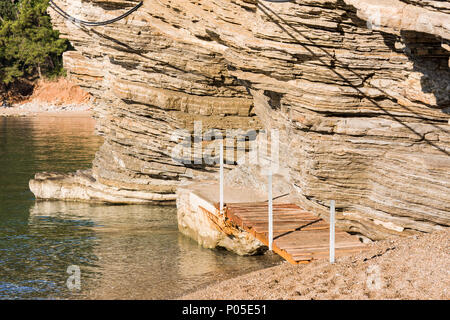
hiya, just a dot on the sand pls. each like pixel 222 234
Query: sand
pixel 39 108
pixel 405 268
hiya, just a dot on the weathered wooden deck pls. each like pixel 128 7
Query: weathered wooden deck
pixel 299 236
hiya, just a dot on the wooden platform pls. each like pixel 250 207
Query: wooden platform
pixel 299 236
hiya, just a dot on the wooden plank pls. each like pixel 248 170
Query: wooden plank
pixel 299 236
pixel 300 222
pixel 264 216
pixel 286 223
pixel 278 217
pixel 320 255
pixel 259 208
pixel 262 204
pixel 281 220
pixel 262 213
pixel 295 246
pixel 285 226
pixel 314 236
pixel 275 211
pixel 294 252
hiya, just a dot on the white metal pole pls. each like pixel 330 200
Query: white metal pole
pixel 332 230
pixel 221 177
pixel 270 211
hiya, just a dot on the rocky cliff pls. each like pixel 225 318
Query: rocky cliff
pixel 360 91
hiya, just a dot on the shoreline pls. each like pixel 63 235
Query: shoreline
pixel 415 267
pixel 40 108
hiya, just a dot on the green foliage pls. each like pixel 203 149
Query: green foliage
pixel 7 10
pixel 28 44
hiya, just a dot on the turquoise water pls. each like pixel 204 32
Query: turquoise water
pixel 122 252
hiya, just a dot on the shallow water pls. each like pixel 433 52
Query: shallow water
pixel 123 252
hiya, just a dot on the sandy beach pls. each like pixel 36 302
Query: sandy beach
pixel 36 108
pixel 405 268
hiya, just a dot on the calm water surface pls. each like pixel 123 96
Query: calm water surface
pixel 123 252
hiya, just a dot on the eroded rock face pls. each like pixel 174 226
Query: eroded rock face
pixel 363 108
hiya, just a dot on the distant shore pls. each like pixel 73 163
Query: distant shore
pixel 61 97
pixel 416 267
pixel 35 108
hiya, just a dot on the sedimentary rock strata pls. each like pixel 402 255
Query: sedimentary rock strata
pixel 358 89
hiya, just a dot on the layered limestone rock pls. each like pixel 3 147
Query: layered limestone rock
pixel 359 90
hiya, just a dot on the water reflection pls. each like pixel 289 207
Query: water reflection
pixel 135 251
pixel 32 260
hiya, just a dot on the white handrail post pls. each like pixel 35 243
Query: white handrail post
pixel 332 230
pixel 221 177
pixel 270 211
